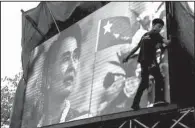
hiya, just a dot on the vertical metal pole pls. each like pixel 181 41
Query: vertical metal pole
pixel 194 115
pixel 130 123
pixel 90 101
pixel 53 18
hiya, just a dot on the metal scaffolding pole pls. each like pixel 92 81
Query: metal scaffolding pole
pixel 130 124
pixel 180 118
pixel 140 123
pixel 53 18
pixel 185 126
pixel 155 124
pixel 123 124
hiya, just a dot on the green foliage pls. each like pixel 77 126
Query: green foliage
pixel 8 89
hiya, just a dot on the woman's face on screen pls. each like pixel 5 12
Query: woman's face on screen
pixel 68 59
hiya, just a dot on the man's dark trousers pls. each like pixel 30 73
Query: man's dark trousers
pixel 144 83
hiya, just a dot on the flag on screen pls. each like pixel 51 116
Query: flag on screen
pixel 109 31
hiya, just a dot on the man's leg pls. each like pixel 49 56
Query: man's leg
pixel 159 83
pixel 142 86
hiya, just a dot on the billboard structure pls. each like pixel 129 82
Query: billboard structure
pixel 79 74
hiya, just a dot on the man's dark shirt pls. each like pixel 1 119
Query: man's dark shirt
pixel 147 54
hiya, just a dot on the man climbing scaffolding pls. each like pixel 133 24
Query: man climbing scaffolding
pixel 149 43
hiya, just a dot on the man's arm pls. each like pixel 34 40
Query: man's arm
pixel 132 52
pixel 165 44
pixel 136 48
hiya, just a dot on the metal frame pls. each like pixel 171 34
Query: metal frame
pixel 183 112
pixel 184 115
pixel 171 115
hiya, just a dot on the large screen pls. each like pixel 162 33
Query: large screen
pixel 79 73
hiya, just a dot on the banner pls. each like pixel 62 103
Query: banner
pixel 79 73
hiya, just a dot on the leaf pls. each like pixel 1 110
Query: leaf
pixel 7 96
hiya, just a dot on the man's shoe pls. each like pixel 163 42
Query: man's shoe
pixel 160 103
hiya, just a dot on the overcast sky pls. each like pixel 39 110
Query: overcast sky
pixel 11 36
